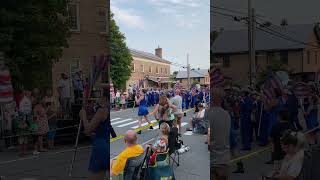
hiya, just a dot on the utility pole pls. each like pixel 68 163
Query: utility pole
pixel 253 49
pixel 188 71
pixel 251 29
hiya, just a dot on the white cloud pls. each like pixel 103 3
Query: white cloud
pixel 128 18
pixel 180 10
pixel 183 3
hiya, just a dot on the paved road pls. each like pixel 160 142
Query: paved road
pixel 198 155
pixel 54 165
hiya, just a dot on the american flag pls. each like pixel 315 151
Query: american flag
pixel 302 90
pixel 216 78
pixel 270 86
pixel 6 90
pixel 111 89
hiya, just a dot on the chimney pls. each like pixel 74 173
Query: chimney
pixel 158 52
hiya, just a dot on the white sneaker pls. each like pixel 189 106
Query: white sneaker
pixel 36 153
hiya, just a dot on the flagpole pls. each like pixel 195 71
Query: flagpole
pixel 80 124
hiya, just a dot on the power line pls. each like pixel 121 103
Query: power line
pixel 271 31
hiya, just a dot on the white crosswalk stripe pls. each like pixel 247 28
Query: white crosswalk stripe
pixel 115 119
pixel 118 122
pixel 127 124
pixel 144 124
pixel 124 122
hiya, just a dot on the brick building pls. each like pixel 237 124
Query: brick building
pixel 88 26
pixel 231 50
pixel 149 70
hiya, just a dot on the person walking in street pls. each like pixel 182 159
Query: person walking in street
pixel 246 105
pixel 178 113
pixel 97 128
pixel 141 100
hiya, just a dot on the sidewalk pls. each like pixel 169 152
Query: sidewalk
pixel 194 164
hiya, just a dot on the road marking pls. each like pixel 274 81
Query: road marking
pixel 115 119
pixel 144 124
pixel 118 122
pixel 127 124
pixel 188 133
pixel 183 124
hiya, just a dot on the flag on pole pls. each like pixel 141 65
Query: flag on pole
pixel 302 90
pixel 216 78
pixel 270 86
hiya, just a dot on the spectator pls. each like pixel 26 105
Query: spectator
pixel 52 121
pixel 163 137
pixel 117 100
pixel 35 94
pixel 132 150
pixel 196 117
pixel 41 120
pixel 25 110
pixel 9 112
pixel 123 101
pixel 220 124
pixel 78 87
pixel 292 163
pixel 98 129
pixel 64 94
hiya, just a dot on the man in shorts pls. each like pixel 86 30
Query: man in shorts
pixel 178 113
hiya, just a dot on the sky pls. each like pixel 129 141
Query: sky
pixel 179 27
pixel 295 11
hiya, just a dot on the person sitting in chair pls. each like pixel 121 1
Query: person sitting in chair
pixel 132 150
pixel 197 116
pixel 161 147
pixel 292 163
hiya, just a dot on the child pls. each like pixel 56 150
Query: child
pixel 52 121
pixel 123 101
pixel 161 148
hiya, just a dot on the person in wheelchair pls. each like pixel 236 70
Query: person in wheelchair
pixel 197 117
pixel 292 163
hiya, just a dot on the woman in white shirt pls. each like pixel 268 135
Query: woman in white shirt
pixel 199 115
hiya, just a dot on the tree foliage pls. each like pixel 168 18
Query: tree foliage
pixel 33 34
pixel 121 58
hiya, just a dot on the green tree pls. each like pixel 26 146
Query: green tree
pixel 121 58
pixel 33 34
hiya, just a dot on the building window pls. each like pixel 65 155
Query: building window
pixel 308 57
pixel 157 70
pixel 142 67
pixel 160 70
pixel 199 79
pixel 180 80
pixel 165 71
pixel 226 61
pixel 284 57
pixel 150 69
pixel 73 17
